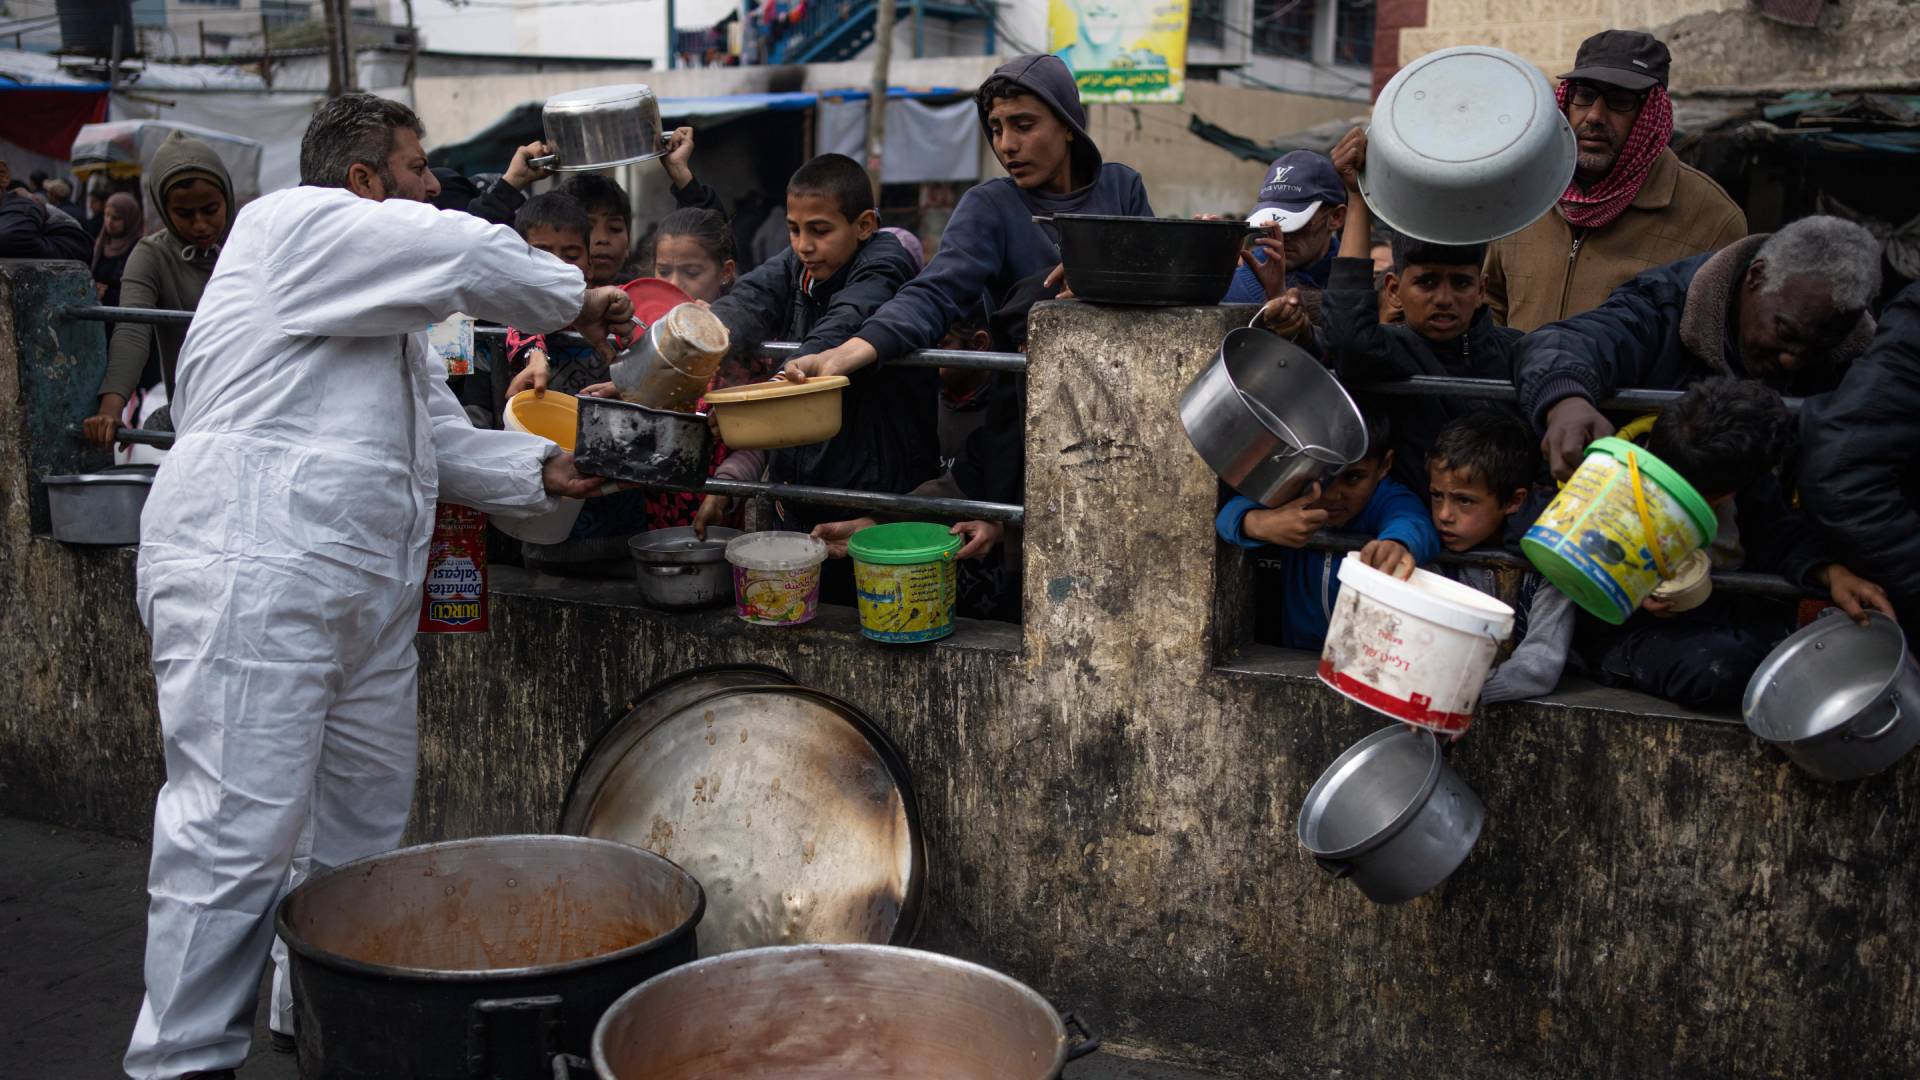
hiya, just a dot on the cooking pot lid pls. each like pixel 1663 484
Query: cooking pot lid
pixel 679 546
pixel 792 809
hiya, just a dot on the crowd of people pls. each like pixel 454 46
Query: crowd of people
pixel 282 547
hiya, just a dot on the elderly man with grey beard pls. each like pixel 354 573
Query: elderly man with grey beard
pixel 1632 205
pixel 1786 308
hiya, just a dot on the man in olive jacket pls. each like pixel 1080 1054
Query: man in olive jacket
pixel 1633 205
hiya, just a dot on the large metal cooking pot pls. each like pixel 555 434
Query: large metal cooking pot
pixel 601 127
pixel 794 810
pixel 1391 814
pixel 1159 262
pixel 99 508
pixel 839 1011
pixel 679 571
pixel 1466 145
pixel 477 958
pixel 1269 419
pixel 623 441
pixel 1842 700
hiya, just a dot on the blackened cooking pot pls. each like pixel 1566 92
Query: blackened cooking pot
pixel 1158 262
pixel 477 958
pixel 623 441
pixel 835 1012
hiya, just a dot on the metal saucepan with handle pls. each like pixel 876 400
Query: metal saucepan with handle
pixel 1269 419
pixel 601 127
pixel 1840 699
pixel 1157 262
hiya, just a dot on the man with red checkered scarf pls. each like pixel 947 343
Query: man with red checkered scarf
pixel 1633 204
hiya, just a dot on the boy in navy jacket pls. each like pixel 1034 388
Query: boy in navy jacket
pixel 1296 588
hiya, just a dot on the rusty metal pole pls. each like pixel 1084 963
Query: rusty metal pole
pixel 885 11
pixel 333 46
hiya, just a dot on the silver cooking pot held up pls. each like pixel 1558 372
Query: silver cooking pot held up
pixel 1840 699
pixel 1391 814
pixel 1269 419
pixel 601 127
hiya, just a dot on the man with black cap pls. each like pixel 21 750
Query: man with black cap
pixel 1633 205
pixel 1304 202
pixel 1030 110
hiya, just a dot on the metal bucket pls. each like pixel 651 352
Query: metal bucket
pixel 1466 145
pixel 477 958
pixel 1842 700
pixel 1269 419
pixel 601 127
pixel 1391 814
pixel 623 441
pixel 670 365
pixel 813 1012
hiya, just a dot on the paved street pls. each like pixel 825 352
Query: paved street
pixel 72 921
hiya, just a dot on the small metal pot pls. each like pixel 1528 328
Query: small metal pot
pixel 871 1011
pixel 99 508
pixel 1840 699
pixel 624 441
pixel 1269 419
pixel 678 571
pixel 1150 262
pixel 670 365
pixel 601 127
pixel 1391 814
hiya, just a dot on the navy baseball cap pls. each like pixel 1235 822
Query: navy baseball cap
pixel 1298 185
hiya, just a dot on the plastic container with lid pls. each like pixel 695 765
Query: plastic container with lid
pixel 905 581
pixel 776 577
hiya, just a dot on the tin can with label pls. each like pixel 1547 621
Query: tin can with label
pixel 455 600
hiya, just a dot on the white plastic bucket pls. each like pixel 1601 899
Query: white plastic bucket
pixel 1416 650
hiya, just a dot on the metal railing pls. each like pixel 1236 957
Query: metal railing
pixel 966 509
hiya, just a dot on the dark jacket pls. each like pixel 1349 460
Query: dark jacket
pixel 31 231
pixel 1663 330
pixel 888 437
pixel 991 241
pixel 1362 350
pixel 1860 460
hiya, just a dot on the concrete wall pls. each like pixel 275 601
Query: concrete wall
pixel 1109 792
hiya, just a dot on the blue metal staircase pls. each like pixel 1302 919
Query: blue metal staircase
pixel 833 30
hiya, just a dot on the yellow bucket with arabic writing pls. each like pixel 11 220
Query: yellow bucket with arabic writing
pixel 905 580
pixel 1621 518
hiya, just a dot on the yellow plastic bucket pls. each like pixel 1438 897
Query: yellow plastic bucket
pixel 553 416
pixel 905 581
pixel 1621 524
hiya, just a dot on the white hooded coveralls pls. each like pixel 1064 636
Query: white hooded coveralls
pixel 281 559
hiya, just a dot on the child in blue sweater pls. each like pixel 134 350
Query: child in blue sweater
pixel 1295 588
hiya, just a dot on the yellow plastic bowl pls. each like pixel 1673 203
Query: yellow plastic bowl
pixel 554 416
pixel 778 414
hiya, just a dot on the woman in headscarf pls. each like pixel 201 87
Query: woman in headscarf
pixel 121 227
pixel 167 270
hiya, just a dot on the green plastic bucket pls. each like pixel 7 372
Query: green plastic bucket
pixel 1590 543
pixel 905 581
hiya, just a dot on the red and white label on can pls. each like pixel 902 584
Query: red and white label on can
pixel 455 600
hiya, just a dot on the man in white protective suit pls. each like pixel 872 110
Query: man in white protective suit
pixel 284 544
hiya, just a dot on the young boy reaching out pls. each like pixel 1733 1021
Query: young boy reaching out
pixel 1297 588
pixel 556 224
pixel 1479 474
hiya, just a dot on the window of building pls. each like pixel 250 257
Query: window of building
pixel 281 13
pixel 149 12
pixel 1353 32
pixel 1207 22
pixel 211 3
pixel 1283 28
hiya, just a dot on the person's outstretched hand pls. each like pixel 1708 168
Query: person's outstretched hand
pixel 1572 423
pixel 837 533
pixel 1289 524
pixel 840 360
pixel 607 308
pixel 532 377
pixel 981 538
pixel 712 509
pixel 1854 594
pixel 1272 274
pixel 1286 316
pixel 1058 277
pixel 560 477
pixel 522 172
pixel 101 427
pixel 679 159
pixel 1349 158
pixel 1389 557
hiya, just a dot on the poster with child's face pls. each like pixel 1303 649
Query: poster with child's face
pixel 1122 50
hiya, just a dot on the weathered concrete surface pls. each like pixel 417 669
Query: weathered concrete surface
pixel 1110 792
pixel 1859 45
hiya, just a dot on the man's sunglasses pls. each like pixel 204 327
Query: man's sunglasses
pixel 1617 101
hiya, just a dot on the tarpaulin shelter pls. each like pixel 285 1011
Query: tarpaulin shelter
pixel 41 110
pixel 122 149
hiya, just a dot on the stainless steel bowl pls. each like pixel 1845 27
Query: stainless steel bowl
pixel 1842 700
pixel 839 1011
pixel 1467 145
pixel 1269 419
pixel 99 508
pixel 601 127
